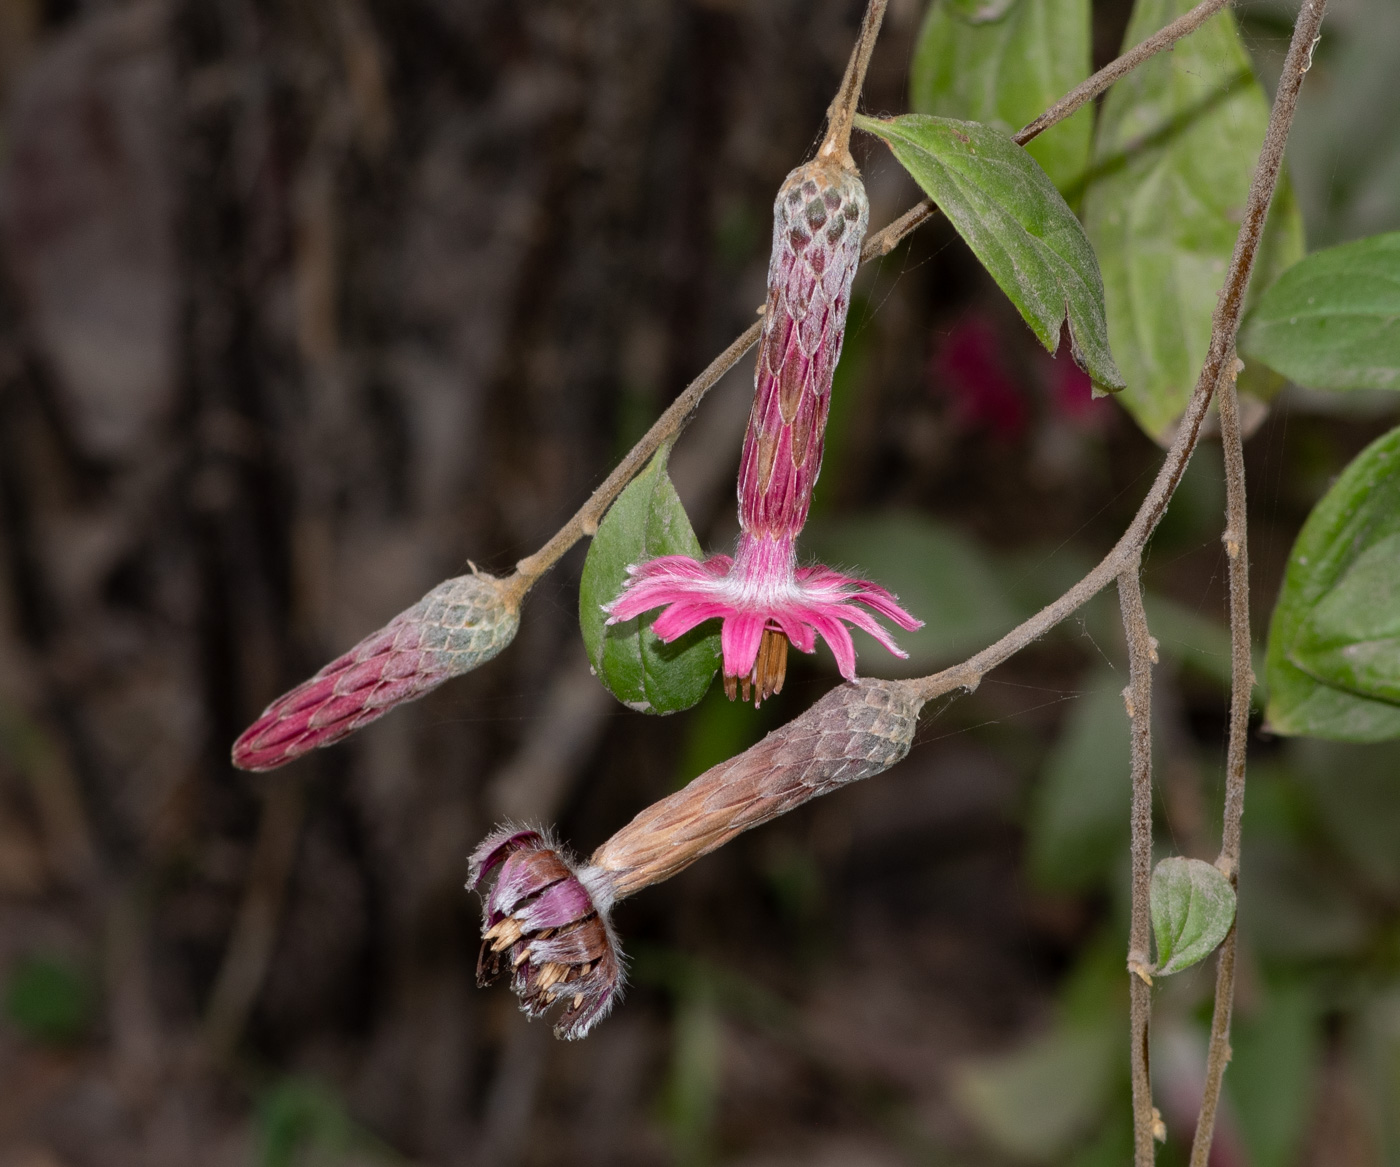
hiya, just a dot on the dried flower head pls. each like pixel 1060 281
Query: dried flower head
pixel 460 624
pixel 763 598
pixel 545 921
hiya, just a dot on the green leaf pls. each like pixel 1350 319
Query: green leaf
pixel 1008 211
pixel 1351 640
pixel 646 521
pixel 1359 512
pixel 981 11
pixel 1076 828
pixel 1174 153
pixel 940 576
pixel 1333 320
pixel 1193 906
pixel 1005 70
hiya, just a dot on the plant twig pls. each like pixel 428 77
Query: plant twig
pixel 840 115
pixel 1142 654
pixel 888 238
pixel 1086 91
pixel 586 519
pixel 1224 327
pixel 1236 540
pixel 1306 32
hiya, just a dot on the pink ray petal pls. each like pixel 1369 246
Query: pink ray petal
pixel 739 637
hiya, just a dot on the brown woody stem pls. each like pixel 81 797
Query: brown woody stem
pixel 1306 31
pixel 1142 654
pixel 840 115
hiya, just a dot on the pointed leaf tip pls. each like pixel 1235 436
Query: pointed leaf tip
pixel 1018 225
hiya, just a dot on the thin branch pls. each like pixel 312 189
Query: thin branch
pixel 1306 32
pixel 840 115
pixel 1142 654
pixel 1086 91
pixel 585 521
pixel 1236 540
pixel 667 426
pixel 1225 326
pixel 887 239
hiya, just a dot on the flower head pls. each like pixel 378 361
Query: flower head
pixel 763 598
pixel 546 921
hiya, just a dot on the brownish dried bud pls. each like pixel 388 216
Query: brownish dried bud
pixel 855 731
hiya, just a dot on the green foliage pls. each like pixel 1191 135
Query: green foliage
pixel 940 576
pixel 1332 640
pixel 1271 1068
pixel 1078 809
pixel 1353 800
pixel 1193 906
pixel 1351 639
pixel 50 999
pixel 303 1123
pixel 646 521
pixel 1008 211
pixel 1038 1101
pixel 1333 320
pixel 1005 71
pixel 1173 157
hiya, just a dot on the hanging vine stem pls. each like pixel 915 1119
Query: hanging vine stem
pixel 585 520
pixel 1137 698
pixel 1306 33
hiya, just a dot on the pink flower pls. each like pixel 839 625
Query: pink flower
pixel 763 598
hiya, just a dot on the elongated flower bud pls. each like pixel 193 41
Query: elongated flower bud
pixel 460 624
pixel 764 600
pixel 819 220
pixel 549 916
pixel 855 731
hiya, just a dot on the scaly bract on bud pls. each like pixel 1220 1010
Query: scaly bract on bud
pixel 461 624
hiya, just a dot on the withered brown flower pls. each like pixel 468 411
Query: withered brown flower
pixel 546 923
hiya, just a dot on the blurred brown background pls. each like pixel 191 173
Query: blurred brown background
pixel 305 302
